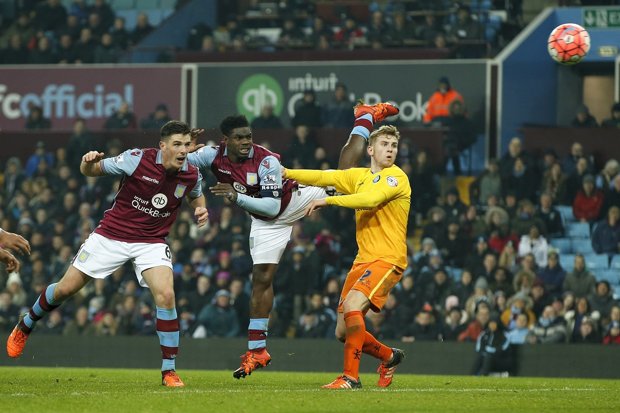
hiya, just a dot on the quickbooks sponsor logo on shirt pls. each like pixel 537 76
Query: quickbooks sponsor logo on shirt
pixel 143 205
pixel 257 91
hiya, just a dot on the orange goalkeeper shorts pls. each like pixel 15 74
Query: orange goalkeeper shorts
pixel 373 279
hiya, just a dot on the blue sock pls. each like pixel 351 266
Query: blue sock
pixel 44 304
pixel 168 332
pixel 257 333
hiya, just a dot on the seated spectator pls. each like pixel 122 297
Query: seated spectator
pixel 437 225
pixel 520 303
pixel 614 120
pixel 85 47
pixel 574 182
pixel 454 324
pixel 423 174
pixel 80 325
pixel 105 12
pixel 307 111
pixel 337 112
pixel 429 29
pixel 424 327
pixel 569 163
pixel 612 334
pixel 39 155
pixel 49 15
pixel 515 151
pixel 502 282
pixel 602 301
pixel 464 32
pixel 451 245
pixel 575 317
pixel 587 333
pixel 120 35
pixel 143 28
pixel 604 180
pixel 583 118
pixel 475 327
pixel 122 118
pixel 218 319
pixel 65 52
pixel 493 349
pixel 518 335
pixel 350 35
pixel 156 119
pixel 489 183
pixel 606 234
pixel 267 119
pixel 438 290
pixel 43 54
pixel 36 120
pixel 612 196
pixel 438 108
pixel 399 31
pixel 522 180
pixel 550 216
pixel 536 244
pixel 291 34
pixel 548 329
pixel 553 275
pixel 453 205
pixel 588 202
pixel 106 51
pixel 15 53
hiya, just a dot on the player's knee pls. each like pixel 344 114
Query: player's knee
pixel 262 278
pixel 340 335
pixel 166 298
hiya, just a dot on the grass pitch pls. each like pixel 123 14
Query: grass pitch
pixel 112 390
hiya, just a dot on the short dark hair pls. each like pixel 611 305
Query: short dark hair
pixel 233 122
pixel 174 127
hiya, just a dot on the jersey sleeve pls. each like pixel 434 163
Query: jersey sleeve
pixel 344 181
pixel 270 178
pixel 125 163
pixel 197 189
pixel 203 157
pixel 386 189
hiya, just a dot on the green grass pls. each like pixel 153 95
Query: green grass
pixel 112 390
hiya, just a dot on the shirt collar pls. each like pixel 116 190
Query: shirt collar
pixel 159 160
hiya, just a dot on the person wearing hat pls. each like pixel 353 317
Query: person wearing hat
pixel 583 118
pixel 589 201
pixel 438 107
pixel 219 317
pixel 614 120
pixel 156 119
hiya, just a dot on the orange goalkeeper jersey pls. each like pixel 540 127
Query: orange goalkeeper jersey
pixel 381 202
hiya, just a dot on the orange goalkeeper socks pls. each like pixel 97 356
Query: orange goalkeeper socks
pixel 355 335
pixel 375 348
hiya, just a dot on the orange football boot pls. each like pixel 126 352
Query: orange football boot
pixel 386 370
pixel 16 343
pixel 170 378
pixel 344 383
pixel 250 361
pixel 379 111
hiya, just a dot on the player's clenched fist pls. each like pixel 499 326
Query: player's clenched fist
pixel 92 157
pixel 12 264
pixel 202 216
pixel 14 242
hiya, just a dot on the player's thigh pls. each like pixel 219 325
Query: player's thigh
pixel 356 271
pixel 71 282
pixel 160 281
pixel 268 240
pixel 152 256
pixel 300 200
pixel 376 281
pixel 99 256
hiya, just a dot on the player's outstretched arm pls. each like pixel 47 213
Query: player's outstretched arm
pixel 14 242
pixel 200 210
pixel 90 164
pixel 12 263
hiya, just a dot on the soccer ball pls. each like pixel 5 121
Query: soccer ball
pixel 568 43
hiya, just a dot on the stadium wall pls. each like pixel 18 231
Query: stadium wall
pixel 591 361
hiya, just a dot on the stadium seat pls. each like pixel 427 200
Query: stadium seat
pixel 563 245
pixel 130 16
pixel 582 246
pixel 455 273
pixel 611 276
pixel 617 292
pixel 567 261
pixel 154 15
pixel 123 5
pixel 146 5
pixel 167 4
pixel 578 230
pixel 597 261
pixel 615 262
pixel 567 213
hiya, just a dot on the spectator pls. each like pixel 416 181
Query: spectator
pixel 424 327
pixel 604 180
pixel 13 177
pixel 602 301
pixel 267 119
pixel 574 318
pixel 554 183
pixel 548 329
pixel 240 300
pixel 461 136
pixel 39 155
pixel 106 51
pixel 8 312
pixel 423 174
pixel 534 243
pixel 464 32
pixel 156 119
pixel 143 28
pixel 36 120
pixel 501 282
pixel 612 196
pixel 583 118
pixel 72 27
pixel 308 111
pixel 22 28
pixel 612 335
pixel 120 35
pixel 493 350
pixel 569 164
pixel 606 234
pixel 105 12
pixel 518 335
pixel 507 162
pixel 15 53
pixel 553 275
pixel 50 15
pixel 438 107
pixel 588 202
pixel 614 121
pixel 291 34
pixel 302 146
pixel 218 318
pixel 337 112
pixel 489 183
pixel 85 47
pixel 587 333
pixel 519 303
pixel 454 324
pixel 65 53
pixel 475 327
pixel 549 216
pixel 81 141
pixel 350 35
pixel 122 118
pixel 574 182
pixel 400 31
pixel 80 325
pixel 526 217
pixel 429 29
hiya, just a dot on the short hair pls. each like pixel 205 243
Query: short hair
pixel 174 127
pixel 384 130
pixel 232 122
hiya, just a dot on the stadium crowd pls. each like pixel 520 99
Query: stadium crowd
pixel 491 259
pixel 81 31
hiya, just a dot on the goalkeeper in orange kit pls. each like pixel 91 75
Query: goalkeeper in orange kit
pixel 381 197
